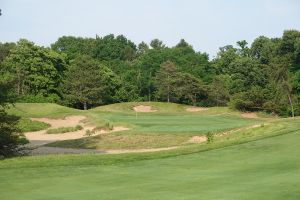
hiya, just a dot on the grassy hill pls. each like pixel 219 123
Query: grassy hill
pixel 49 110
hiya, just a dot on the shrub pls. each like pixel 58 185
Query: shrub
pixel 90 132
pixel 11 141
pixel 210 137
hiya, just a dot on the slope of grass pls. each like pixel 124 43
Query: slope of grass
pixel 262 169
pixel 128 107
pixel 42 110
pixel 27 125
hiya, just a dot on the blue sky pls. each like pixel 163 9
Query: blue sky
pixel 206 24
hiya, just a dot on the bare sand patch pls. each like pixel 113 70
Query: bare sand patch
pixel 143 108
pixel 249 115
pixel 195 109
pixel 197 139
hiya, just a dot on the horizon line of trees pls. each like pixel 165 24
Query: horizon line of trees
pixel 87 72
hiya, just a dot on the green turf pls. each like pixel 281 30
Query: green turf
pixel 27 125
pixel 263 169
pixel 42 110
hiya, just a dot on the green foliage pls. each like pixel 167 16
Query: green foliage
pixel 88 83
pixel 5 49
pixel 74 46
pixel 166 82
pixel 114 69
pixel 36 70
pixel 114 48
pixel 218 91
pixel 39 98
pixel 11 140
pixel 64 130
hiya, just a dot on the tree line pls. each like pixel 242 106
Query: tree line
pixel 87 72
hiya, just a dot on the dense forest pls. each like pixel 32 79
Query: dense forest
pixel 86 72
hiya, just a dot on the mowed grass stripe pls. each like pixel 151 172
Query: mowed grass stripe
pixel 264 169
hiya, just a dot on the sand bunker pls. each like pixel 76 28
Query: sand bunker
pixel 249 115
pixel 142 108
pixel 38 138
pixel 195 109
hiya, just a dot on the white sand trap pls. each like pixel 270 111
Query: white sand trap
pixel 142 108
pixel 195 109
pixel 249 115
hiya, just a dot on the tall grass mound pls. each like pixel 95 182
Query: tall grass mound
pixel 26 125
pixel 64 130
pixel 129 107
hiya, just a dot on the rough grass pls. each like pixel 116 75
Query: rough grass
pixel 26 125
pixel 244 165
pixel 123 141
pixel 64 129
